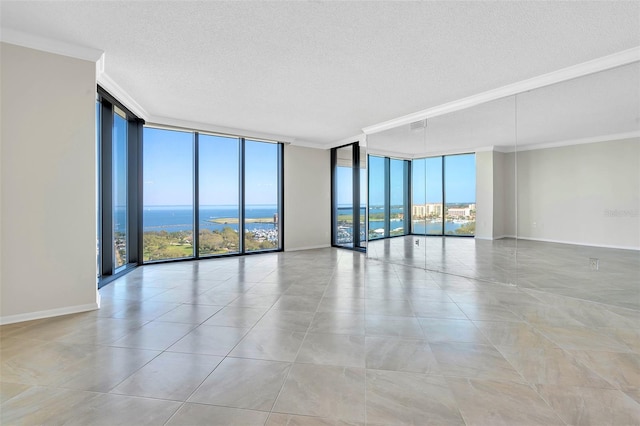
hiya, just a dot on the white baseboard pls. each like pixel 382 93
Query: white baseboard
pixel 308 247
pixel 30 316
pixel 576 243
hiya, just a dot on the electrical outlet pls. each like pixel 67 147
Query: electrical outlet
pixel 417 243
pixel 594 264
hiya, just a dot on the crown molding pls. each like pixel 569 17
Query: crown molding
pixel 571 142
pixel 361 138
pixel 306 144
pixel 205 127
pixel 8 35
pixel 590 67
pixel 121 95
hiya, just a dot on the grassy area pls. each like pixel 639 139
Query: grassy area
pixel 234 220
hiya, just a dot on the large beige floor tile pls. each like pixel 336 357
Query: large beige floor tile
pixel 382 325
pixel 337 323
pixel 551 366
pixel 324 391
pixel 169 376
pixel 475 361
pixel 589 406
pixel 269 344
pixel 190 314
pixel 399 398
pixel 448 330
pixel 622 370
pixel 333 349
pixel 279 419
pixel 41 405
pixel 9 390
pixel 198 414
pixel 285 320
pixel 44 364
pixel 397 354
pixel 209 340
pixel 243 383
pixel 235 316
pixel 155 335
pixel 105 368
pixel 486 402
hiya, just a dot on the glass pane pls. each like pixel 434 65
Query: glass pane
pixel 418 194
pixel 377 199
pixel 261 196
pixel 98 223
pixel 433 205
pixel 397 196
pixel 427 196
pixel 460 193
pixel 119 190
pixel 219 194
pixel 344 196
pixel 168 194
pixel 362 214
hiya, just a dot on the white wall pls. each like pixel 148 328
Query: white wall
pixel 48 241
pixel 484 195
pixel 307 198
pixel 583 194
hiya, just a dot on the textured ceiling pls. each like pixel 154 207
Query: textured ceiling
pixel 586 109
pixel 321 71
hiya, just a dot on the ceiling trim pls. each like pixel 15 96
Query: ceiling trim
pixel 31 41
pixel 120 94
pixel 559 144
pixel 600 64
pixel 361 138
pixel 221 130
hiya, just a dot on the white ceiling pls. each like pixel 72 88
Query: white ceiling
pixel 318 72
pixel 600 106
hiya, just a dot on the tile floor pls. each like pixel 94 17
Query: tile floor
pixel 328 337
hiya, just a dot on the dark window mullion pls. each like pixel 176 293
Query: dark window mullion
pixel 387 197
pixel 334 195
pixel 241 209
pixel 356 194
pixel 406 208
pixel 106 157
pixel 444 201
pixel 280 196
pixel 196 195
pixel 133 197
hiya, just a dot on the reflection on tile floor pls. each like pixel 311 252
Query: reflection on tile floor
pixel 329 337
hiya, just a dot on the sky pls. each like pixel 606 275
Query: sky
pixel 168 169
pixel 460 180
pixel 168 173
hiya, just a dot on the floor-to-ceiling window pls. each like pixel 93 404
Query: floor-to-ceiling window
pixel 460 194
pixel 118 142
pixel 389 210
pixel 349 194
pixel 262 195
pixel 235 183
pixel 219 194
pixel 167 194
pixel 378 190
pixel 398 197
pixel 443 195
